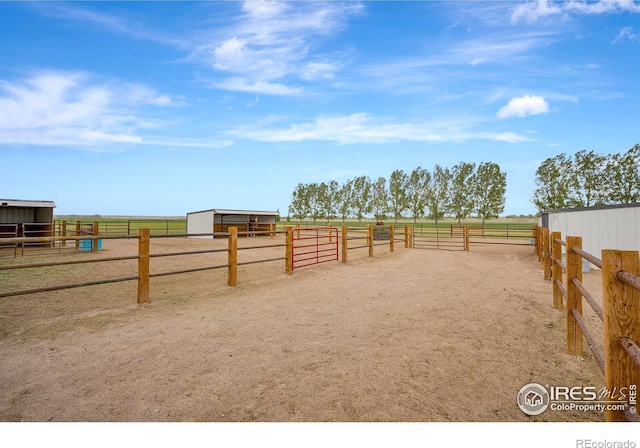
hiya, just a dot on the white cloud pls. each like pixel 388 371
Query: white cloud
pixel 70 109
pixel 524 105
pixel 364 128
pixel 273 43
pixel 626 33
pixel 252 86
pixel 533 11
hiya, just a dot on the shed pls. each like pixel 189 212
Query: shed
pixel 601 227
pixel 19 217
pixel 219 220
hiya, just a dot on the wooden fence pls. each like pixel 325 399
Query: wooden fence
pixel 144 255
pixel 619 310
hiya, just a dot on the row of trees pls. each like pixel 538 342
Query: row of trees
pixel 457 191
pixel 587 179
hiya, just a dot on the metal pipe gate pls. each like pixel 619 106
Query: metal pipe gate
pixel 314 245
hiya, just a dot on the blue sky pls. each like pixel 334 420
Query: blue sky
pixel 161 108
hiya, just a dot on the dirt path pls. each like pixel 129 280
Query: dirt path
pixel 415 335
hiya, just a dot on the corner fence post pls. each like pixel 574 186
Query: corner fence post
pixel 345 244
pixel 289 251
pixel 534 237
pixel 78 229
pixel 232 257
pixel 370 239
pixel 466 237
pixel 392 237
pixel 143 266
pixel 556 270
pixel 621 307
pixel 574 296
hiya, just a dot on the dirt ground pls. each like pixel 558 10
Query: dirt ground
pixel 415 335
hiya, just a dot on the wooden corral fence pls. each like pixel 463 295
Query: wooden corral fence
pixel 144 255
pixel 619 310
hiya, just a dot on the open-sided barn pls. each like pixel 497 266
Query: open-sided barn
pixel 219 220
pixel 20 217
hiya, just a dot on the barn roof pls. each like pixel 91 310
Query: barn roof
pixel 222 211
pixel 595 207
pixel 26 203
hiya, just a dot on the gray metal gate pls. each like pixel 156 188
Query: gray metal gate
pixel 430 237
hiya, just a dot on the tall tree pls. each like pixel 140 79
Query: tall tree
pixel 299 207
pixel 623 177
pixel 587 179
pixel 417 188
pixel 489 192
pixel 398 186
pixel 361 197
pixel 461 194
pixel 343 199
pixel 327 198
pixel 315 201
pixel 379 198
pixel 438 192
pixel 553 182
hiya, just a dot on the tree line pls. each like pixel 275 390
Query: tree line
pixel 587 179
pixel 458 192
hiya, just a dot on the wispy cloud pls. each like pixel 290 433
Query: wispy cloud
pixel 627 33
pixel 272 43
pixel 364 128
pixel 538 9
pixel 133 28
pixel 69 108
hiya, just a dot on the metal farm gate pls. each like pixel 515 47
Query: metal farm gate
pixel 438 238
pixel 313 246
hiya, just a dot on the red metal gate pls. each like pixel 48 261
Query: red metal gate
pixel 314 245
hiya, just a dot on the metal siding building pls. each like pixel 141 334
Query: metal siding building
pixel 219 220
pixel 18 216
pixel 601 227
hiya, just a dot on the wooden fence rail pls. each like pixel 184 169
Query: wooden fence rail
pixel 619 311
pixel 144 256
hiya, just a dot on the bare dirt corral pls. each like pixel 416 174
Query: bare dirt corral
pixel 415 335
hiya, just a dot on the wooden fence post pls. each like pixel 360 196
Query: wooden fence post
pixel 272 229
pixel 232 257
pixel 370 239
pixel 411 228
pixel 392 237
pixel 546 256
pixel 330 226
pixel 64 232
pixel 78 229
pixel 574 296
pixel 556 270
pixel 621 307
pixel 345 244
pixel 143 266
pixel 466 237
pixel 289 251
pixel 406 237
pixel 96 232
pixel 534 237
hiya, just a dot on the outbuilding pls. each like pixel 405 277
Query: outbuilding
pixel 219 220
pixel 601 227
pixel 19 217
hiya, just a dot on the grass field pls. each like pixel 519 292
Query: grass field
pixel 499 228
